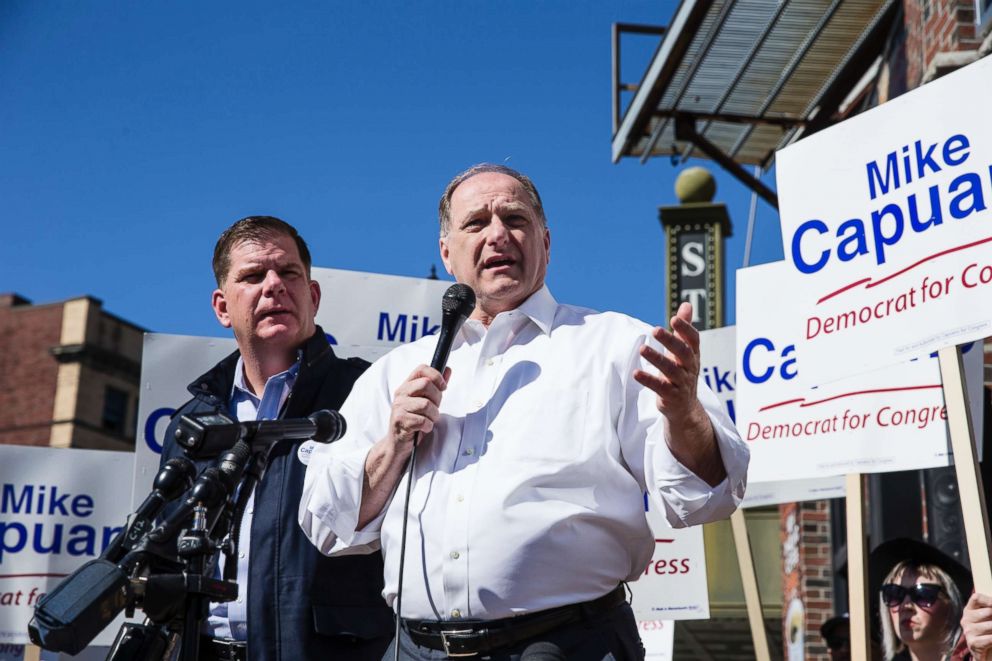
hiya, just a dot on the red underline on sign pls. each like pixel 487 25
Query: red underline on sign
pixel 868 392
pixel 912 266
pixel 777 404
pixel 803 403
pixel 664 541
pixel 32 575
pixel 843 289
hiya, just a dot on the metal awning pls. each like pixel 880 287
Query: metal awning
pixel 746 77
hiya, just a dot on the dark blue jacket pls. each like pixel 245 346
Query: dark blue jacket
pixel 301 604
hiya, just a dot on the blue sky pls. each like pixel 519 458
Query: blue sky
pixel 134 133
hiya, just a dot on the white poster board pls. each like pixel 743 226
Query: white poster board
pixel 658 637
pixel 718 354
pixel 886 229
pixel 673 585
pixel 58 509
pixel 886 420
pixel 363 314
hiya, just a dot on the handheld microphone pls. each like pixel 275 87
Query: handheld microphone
pixel 542 651
pixel 457 305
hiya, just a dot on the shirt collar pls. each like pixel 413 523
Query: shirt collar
pixel 241 385
pixel 540 308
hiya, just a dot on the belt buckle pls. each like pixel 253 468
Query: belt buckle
pixel 454 637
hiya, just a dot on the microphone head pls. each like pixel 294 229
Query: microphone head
pixel 458 301
pixel 542 651
pixel 175 477
pixel 330 426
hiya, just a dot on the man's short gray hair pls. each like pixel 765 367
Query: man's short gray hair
pixel 444 208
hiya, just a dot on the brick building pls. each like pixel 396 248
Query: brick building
pixel 69 374
pixel 733 82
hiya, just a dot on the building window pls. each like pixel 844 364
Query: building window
pixel 114 410
pixel 984 13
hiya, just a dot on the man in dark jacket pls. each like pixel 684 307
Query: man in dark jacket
pixel 293 603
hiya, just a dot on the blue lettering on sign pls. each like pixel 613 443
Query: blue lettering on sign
pixel 719 380
pixel 395 329
pixel 46 537
pixel 786 369
pixel 150 424
pixel 880 229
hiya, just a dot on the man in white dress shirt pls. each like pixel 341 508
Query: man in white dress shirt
pixel 539 440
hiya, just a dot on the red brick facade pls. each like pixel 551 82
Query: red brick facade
pixel 28 371
pixel 807 577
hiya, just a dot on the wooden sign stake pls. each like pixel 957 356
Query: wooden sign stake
pixel 857 569
pixel 752 598
pixel 972 495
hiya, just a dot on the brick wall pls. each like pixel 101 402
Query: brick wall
pixel 933 27
pixel 27 370
pixel 807 580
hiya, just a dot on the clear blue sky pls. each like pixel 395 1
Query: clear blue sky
pixel 133 133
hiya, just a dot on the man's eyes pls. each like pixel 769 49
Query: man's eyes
pixel 254 277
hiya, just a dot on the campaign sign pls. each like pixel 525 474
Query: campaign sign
pixel 673 585
pixel 886 420
pixel 363 314
pixel 658 638
pixel 887 229
pixel 718 355
pixel 59 508
pixel 376 310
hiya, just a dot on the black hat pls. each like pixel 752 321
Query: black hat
pixel 888 554
pixel 828 627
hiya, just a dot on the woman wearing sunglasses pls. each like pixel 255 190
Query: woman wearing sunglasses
pixel 920 600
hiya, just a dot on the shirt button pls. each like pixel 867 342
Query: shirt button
pixel 241 555
pixel 460 498
pixel 490 362
pixel 454 555
pixel 470 451
pixel 241 600
pixel 456 613
pixel 477 403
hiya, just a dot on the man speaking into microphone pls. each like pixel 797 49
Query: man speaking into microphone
pixel 526 509
pixel 292 602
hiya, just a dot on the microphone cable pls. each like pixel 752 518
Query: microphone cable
pixel 457 305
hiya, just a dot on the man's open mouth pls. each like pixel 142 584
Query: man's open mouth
pixel 498 262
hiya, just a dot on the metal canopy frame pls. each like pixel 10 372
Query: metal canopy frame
pixel 739 79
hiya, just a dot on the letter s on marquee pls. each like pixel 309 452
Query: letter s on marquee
pixel 820 227
pixel 153 419
pixel 748 374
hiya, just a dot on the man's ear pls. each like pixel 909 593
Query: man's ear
pixel 219 303
pixel 315 295
pixel 547 245
pixel 443 245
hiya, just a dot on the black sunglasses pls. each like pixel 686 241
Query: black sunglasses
pixel 923 595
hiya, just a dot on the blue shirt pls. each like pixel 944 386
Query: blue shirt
pixel 229 620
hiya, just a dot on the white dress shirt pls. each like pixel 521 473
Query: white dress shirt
pixel 528 494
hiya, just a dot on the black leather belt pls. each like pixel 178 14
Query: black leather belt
pixel 469 638
pixel 215 649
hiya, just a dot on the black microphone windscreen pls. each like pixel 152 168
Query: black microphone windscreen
pixel 458 299
pixel 542 651
pixel 330 426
